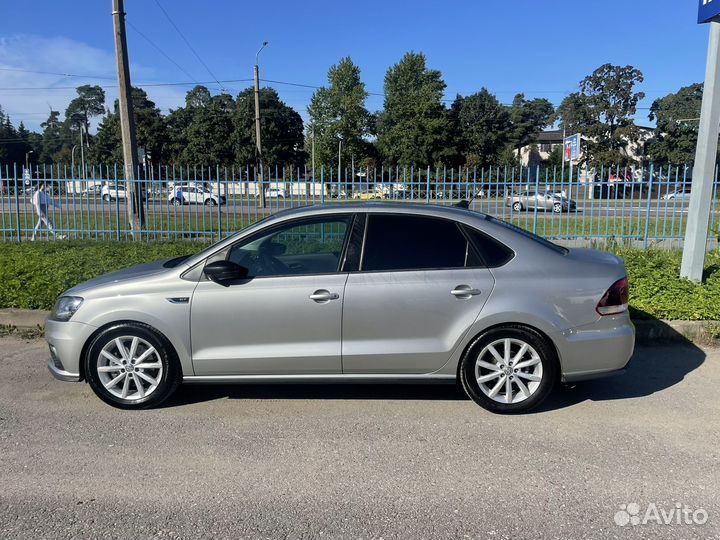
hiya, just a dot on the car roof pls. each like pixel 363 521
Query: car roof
pixel 453 212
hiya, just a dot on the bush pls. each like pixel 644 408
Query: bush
pixel 32 275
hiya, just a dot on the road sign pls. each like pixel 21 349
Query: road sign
pixel 572 146
pixel 708 10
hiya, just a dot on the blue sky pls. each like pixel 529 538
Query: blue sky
pixel 543 48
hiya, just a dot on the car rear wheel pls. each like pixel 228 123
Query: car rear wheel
pixel 106 198
pixel 131 366
pixel 509 369
pixel 210 202
pixel 557 208
pixel 517 207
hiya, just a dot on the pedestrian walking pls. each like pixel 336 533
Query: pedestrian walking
pixel 41 201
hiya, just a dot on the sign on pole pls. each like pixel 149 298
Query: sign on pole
pixel 698 222
pixel 572 146
pixel 709 9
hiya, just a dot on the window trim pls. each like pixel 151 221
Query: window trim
pixel 278 226
pixel 403 214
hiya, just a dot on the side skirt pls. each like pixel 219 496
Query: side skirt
pixel 351 378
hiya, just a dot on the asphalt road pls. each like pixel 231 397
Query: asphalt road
pixel 359 461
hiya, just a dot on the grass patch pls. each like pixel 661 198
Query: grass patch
pixel 32 275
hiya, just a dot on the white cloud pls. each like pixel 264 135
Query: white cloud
pixel 63 55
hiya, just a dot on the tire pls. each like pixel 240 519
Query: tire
pixel 557 208
pixel 210 202
pixel 538 361
pixel 518 207
pixel 106 198
pixel 175 202
pixel 165 370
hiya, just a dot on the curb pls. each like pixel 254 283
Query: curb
pixel 647 331
pixel 23 318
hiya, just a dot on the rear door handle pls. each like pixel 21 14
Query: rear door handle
pixel 464 291
pixel 322 295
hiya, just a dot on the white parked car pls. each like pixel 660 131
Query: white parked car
pixel 676 194
pixel 273 193
pixel 113 192
pixel 193 195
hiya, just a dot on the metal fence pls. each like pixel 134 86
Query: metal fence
pixel 644 206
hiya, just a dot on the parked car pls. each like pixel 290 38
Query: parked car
pixel 273 193
pixel 360 292
pixel 193 195
pixel 677 194
pixel 369 195
pixel 113 192
pixel 542 200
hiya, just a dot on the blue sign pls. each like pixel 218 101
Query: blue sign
pixel 708 10
pixel 572 146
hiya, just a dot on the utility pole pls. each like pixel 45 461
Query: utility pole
pixel 82 156
pixel 258 143
pixel 696 233
pixel 135 211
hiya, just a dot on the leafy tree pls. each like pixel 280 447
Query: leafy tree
pixel 415 127
pixel 281 125
pixel 338 112
pixel 178 121
pixel 602 111
pixel 89 103
pixel 482 126
pixel 528 118
pixel 677 123
pixel 209 134
pixel 149 127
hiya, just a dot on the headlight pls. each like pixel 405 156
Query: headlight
pixel 65 307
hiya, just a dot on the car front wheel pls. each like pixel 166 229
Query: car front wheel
pixel 517 207
pixel 509 369
pixel 210 202
pixel 557 208
pixel 131 366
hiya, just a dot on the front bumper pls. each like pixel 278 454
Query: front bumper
pixel 65 342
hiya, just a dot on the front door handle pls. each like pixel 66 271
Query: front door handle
pixel 322 295
pixel 464 291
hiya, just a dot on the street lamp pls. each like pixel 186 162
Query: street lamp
pixel 340 140
pixel 258 143
pixel 27 159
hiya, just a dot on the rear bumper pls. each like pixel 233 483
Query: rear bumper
pixel 600 349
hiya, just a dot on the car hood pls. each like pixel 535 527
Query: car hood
pixel 126 274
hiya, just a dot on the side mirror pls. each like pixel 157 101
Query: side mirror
pixel 222 272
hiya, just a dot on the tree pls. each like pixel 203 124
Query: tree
pixel 528 118
pixel 178 121
pixel 209 134
pixel 149 128
pixel 482 126
pixel 52 141
pixel 677 118
pixel 338 112
pixel 602 111
pixel 415 127
pixel 89 103
pixel 281 125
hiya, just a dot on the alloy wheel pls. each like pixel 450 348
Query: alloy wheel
pixel 508 370
pixel 129 368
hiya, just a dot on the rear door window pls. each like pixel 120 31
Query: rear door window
pixel 404 242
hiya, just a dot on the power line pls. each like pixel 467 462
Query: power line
pixel 58 74
pixel 151 42
pixel 188 43
pixel 184 83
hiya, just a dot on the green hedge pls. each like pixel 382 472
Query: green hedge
pixel 32 275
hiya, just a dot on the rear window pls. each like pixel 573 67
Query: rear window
pixel 489 252
pixel 527 234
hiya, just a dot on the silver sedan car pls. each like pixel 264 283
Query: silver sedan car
pixel 369 293
pixel 541 200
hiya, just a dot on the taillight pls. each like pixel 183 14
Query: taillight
pixel 615 300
